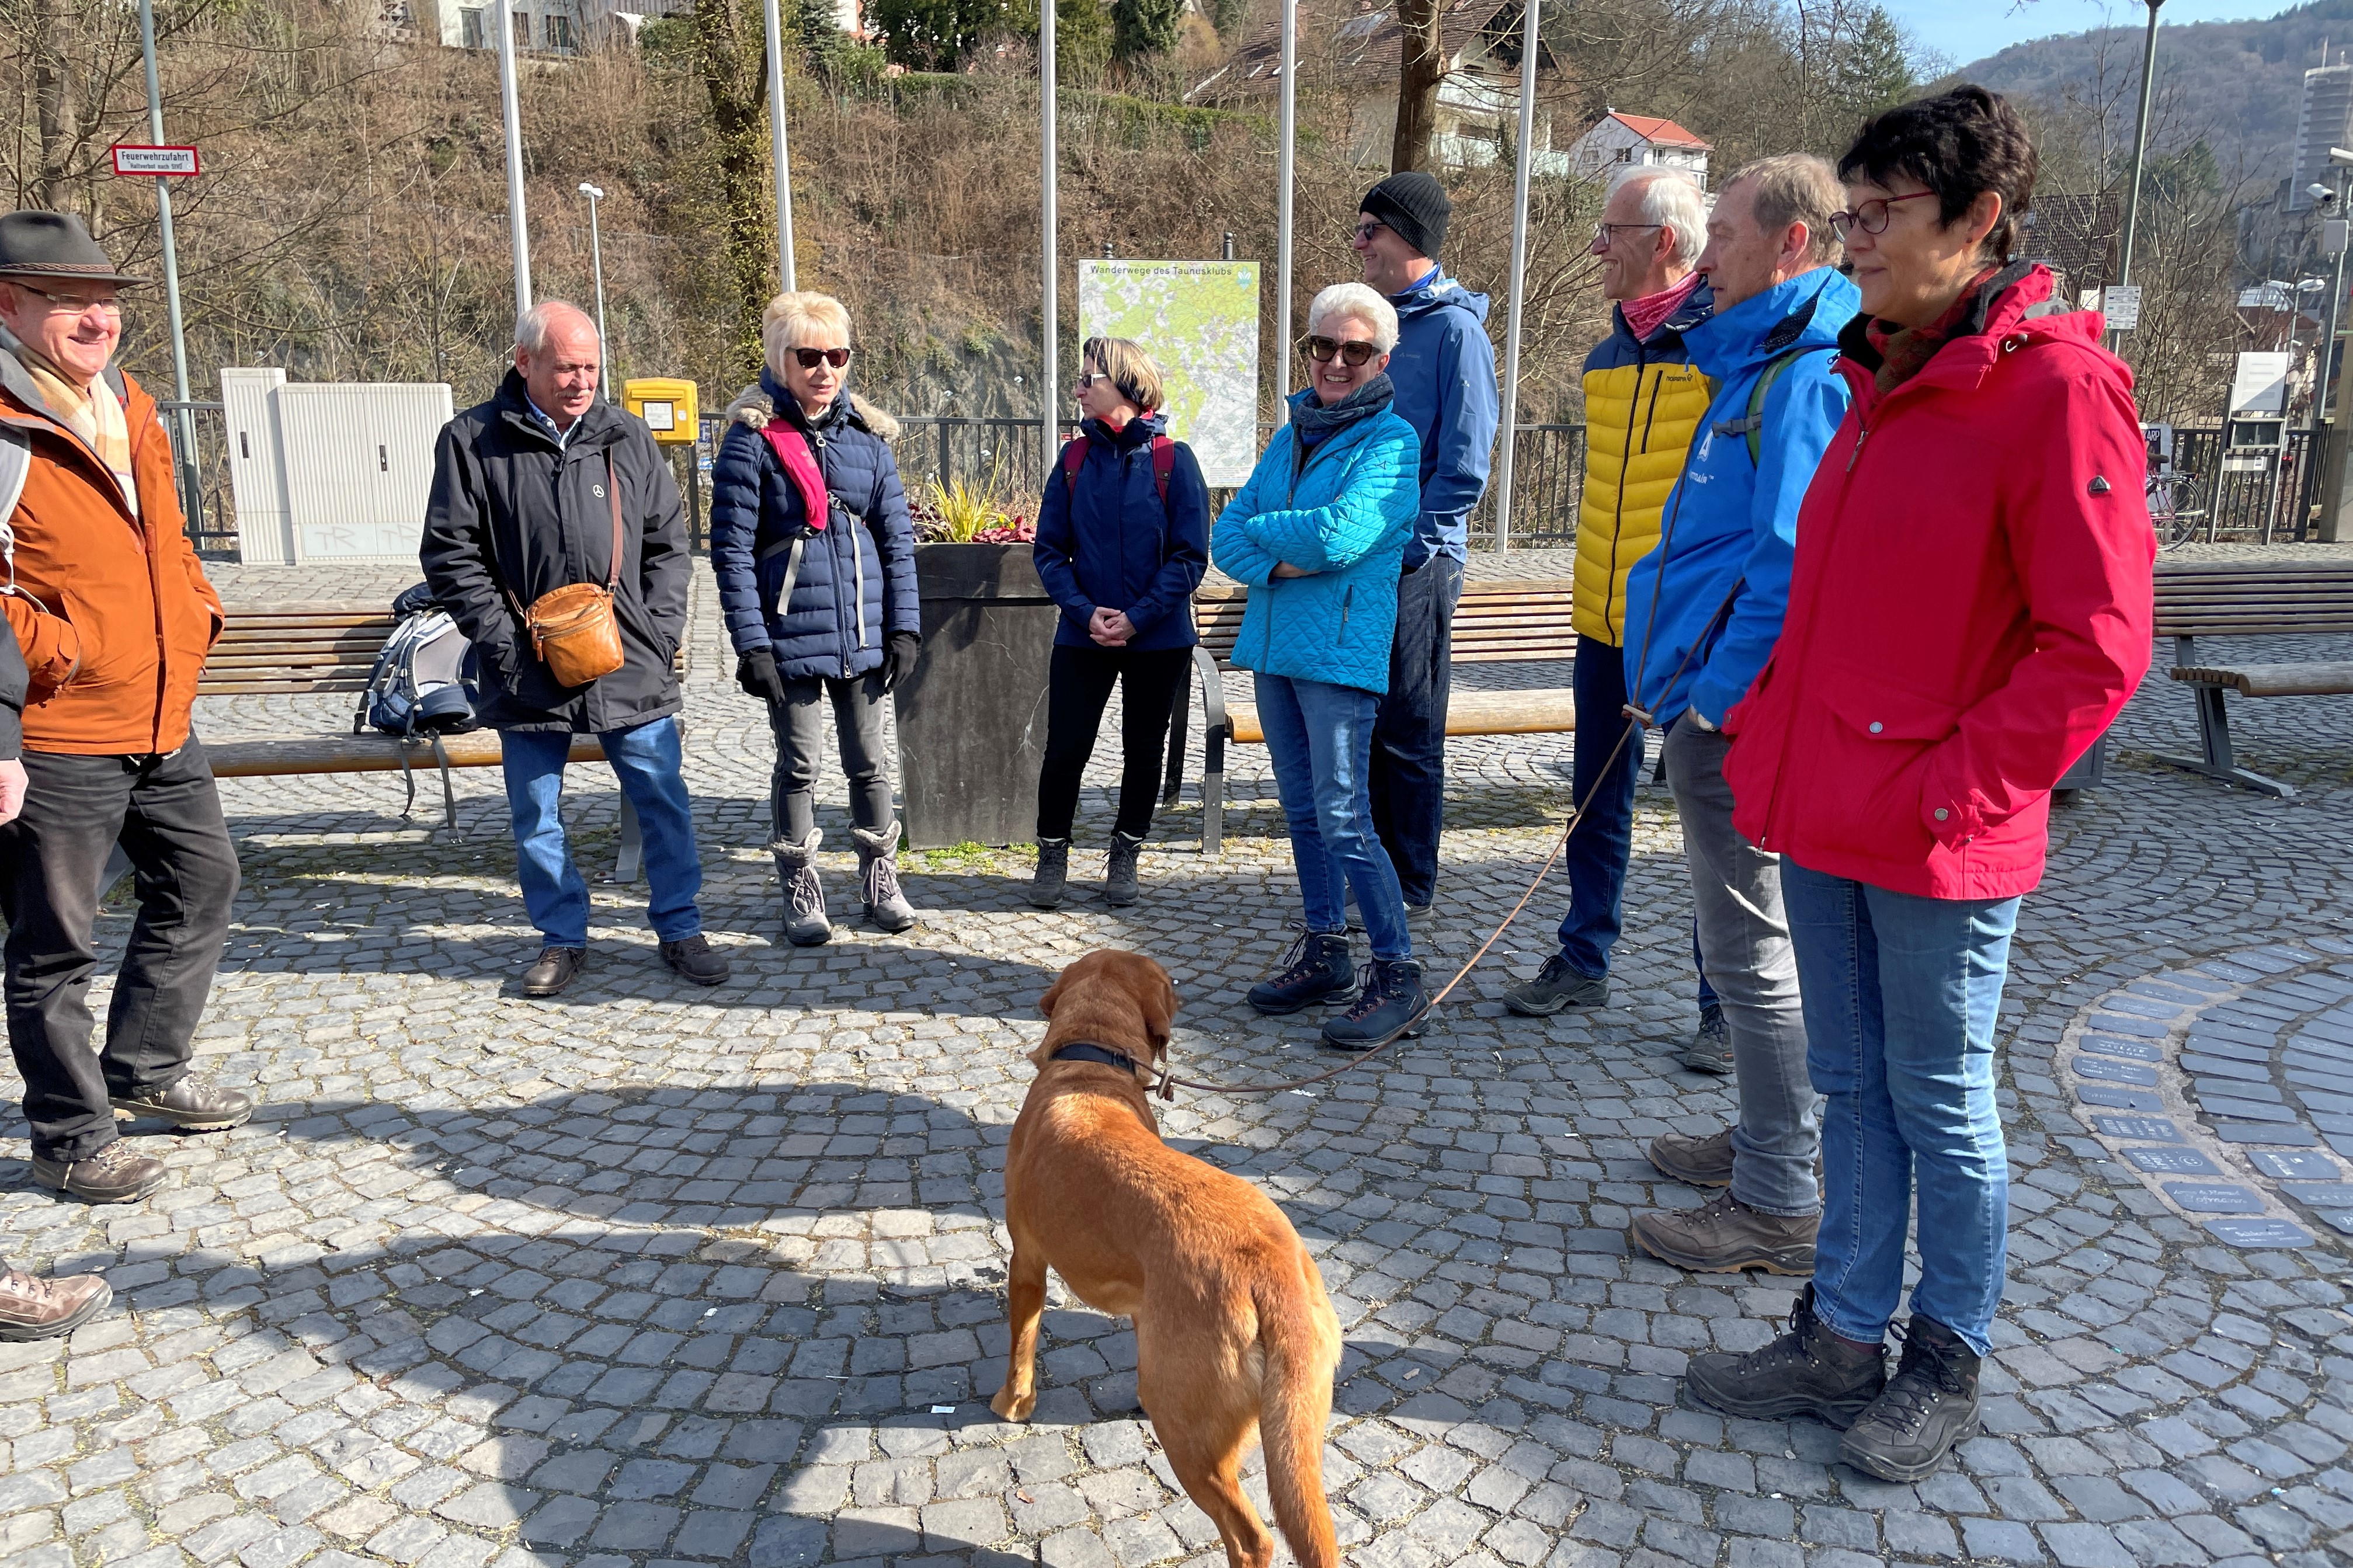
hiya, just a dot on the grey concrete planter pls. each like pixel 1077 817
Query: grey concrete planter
pixel 971 718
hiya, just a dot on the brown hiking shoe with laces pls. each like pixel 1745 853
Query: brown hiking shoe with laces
pixel 32 1308
pixel 193 1104
pixel 1695 1161
pixel 112 1175
pixel 1724 1236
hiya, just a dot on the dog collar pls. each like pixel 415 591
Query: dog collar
pixel 1080 1051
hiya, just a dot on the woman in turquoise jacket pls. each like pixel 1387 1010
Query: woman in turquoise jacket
pixel 1319 534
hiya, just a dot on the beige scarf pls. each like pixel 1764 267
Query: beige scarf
pixel 93 413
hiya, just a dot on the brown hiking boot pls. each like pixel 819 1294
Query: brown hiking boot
pixel 1695 1162
pixel 1724 1236
pixel 194 1104
pixel 32 1308
pixel 112 1175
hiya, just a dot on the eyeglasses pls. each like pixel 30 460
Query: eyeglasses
pixel 1870 217
pixel 1367 229
pixel 1604 234
pixel 71 306
pixel 1087 379
pixel 811 358
pixel 1323 349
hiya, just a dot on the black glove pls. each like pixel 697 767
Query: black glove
pixel 899 651
pixel 756 673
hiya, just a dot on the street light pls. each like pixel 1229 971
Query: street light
pixel 596 260
pixel 2140 147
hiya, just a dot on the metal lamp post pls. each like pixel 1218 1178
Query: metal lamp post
pixel 191 496
pixel 2140 147
pixel 776 152
pixel 517 230
pixel 1519 276
pixel 1282 175
pixel 1049 377
pixel 597 261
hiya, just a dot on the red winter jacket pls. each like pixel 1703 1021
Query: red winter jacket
pixel 1970 608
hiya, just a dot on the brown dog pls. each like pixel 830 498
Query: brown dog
pixel 1233 1331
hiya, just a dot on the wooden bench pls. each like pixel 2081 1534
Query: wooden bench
pixel 2289 598
pixel 1495 622
pixel 331 645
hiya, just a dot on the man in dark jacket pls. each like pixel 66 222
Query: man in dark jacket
pixel 536 490
pixel 1444 370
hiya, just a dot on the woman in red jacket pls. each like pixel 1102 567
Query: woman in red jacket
pixel 1970 608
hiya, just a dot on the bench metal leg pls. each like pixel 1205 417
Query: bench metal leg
pixel 2215 740
pixel 1215 728
pixel 118 866
pixel 633 843
pixel 1180 715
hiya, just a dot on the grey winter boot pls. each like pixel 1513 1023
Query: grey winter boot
pixel 805 922
pixel 1119 869
pixel 1054 874
pixel 878 877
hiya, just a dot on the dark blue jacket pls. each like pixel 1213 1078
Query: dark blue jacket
pixel 857 580
pixel 1444 370
pixel 1107 540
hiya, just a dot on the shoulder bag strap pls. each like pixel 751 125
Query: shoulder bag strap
pixel 613 494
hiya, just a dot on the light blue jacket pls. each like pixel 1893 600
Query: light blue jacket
pixel 1732 519
pixel 1345 515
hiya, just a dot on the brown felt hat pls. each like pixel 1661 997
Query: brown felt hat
pixel 54 245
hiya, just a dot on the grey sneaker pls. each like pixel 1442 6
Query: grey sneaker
pixel 1052 876
pixel 806 924
pixel 1695 1162
pixel 1711 1049
pixel 1119 870
pixel 878 878
pixel 1555 986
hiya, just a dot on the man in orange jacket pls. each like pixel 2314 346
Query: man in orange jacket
pixel 114 617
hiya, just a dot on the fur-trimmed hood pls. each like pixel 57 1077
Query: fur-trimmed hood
pixel 755 407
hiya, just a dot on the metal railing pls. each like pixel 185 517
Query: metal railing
pixel 2244 495
pixel 211 517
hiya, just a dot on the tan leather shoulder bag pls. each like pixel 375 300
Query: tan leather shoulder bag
pixel 573 630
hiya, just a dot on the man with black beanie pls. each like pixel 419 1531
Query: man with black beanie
pixel 1444 370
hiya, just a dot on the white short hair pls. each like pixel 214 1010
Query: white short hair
pixel 536 325
pixel 1356 300
pixel 1670 199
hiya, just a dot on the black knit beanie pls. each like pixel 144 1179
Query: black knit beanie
pixel 1413 204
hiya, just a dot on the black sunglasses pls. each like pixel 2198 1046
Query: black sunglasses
pixel 1322 350
pixel 811 358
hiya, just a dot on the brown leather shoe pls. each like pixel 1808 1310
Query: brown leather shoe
pixel 113 1175
pixel 1695 1162
pixel 553 969
pixel 194 1104
pixel 1724 1236
pixel 35 1309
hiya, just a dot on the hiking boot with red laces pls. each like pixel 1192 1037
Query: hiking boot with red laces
pixel 112 1175
pixel 1724 1236
pixel 1809 1370
pixel 193 1104
pixel 1928 1405
pixel 32 1308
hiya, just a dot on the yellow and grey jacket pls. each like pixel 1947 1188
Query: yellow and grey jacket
pixel 1643 403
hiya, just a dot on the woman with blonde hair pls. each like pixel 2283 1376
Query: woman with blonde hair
pixel 1123 540
pixel 814 555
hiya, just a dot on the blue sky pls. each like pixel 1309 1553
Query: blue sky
pixel 1971 29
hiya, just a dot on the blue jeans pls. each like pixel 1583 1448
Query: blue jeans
pixel 646 759
pixel 1901 993
pixel 1595 857
pixel 1408 771
pixel 1321 738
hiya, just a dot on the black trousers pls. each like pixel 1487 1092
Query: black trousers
pixel 166 814
pixel 1408 771
pixel 1078 689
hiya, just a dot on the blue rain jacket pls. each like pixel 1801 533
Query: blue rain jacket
pixel 1444 370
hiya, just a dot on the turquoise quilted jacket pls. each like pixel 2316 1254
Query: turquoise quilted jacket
pixel 1344 514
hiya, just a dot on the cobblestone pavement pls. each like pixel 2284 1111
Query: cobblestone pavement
pixel 644 1275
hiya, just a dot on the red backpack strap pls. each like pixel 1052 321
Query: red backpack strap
pixel 1164 463
pixel 792 449
pixel 1074 457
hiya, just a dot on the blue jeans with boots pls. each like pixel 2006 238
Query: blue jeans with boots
pixel 646 758
pixel 1320 737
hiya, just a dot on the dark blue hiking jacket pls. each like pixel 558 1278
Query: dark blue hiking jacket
pixel 1106 541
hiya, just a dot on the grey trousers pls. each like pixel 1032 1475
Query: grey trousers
pixel 799 724
pixel 1744 940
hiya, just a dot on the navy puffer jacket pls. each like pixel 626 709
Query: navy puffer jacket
pixel 857 582
pixel 1106 541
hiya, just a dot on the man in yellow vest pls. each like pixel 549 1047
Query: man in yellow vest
pixel 1643 403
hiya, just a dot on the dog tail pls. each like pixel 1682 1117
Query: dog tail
pixel 1301 1339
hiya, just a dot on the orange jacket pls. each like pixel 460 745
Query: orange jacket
pixel 112 610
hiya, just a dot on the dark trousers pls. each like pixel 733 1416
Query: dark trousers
pixel 1078 683
pixel 1408 771
pixel 1595 857
pixel 799 724
pixel 166 814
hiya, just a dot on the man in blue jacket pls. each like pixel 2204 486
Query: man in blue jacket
pixel 1702 612
pixel 1444 372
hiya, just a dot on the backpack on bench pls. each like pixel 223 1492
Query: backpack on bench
pixel 426 683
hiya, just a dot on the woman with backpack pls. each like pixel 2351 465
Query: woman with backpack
pixel 1123 540
pixel 814 555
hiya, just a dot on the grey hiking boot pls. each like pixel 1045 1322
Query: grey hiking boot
pixel 878 878
pixel 1711 1049
pixel 1052 876
pixel 1809 1371
pixel 1557 985
pixel 1693 1161
pixel 1119 870
pixel 1928 1405
pixel 805 922
pixel 1392 1003
pixel 1724 1236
